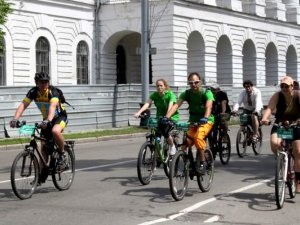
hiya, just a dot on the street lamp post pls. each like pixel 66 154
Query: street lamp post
pixel 145 50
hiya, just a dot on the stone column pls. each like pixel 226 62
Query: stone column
pixel 260 71
pixel 210 67
pixel 292 11
pixel 256 7
pixel 275 9
pixel 237 70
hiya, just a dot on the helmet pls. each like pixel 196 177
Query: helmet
pixel 215 86
pixel 41 76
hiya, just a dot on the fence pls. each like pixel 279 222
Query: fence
pixel 96 106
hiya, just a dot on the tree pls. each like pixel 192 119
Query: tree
pixel 5 9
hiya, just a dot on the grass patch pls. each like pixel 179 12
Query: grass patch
pixel 100 133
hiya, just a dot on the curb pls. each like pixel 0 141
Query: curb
pixel 80 141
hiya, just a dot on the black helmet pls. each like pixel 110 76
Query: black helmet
pixel 41 76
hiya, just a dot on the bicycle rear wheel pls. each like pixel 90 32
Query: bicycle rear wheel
pixel 291 179
pixel 241 142
pixel 279 181
pixel 146 163
pixel 179 172
pixel 224 148
pixel 205 180
pixel 63 175
pixel 257 146
pixel 24 175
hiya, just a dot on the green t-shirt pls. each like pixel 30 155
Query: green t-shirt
pixel 197 103
pixel 162 104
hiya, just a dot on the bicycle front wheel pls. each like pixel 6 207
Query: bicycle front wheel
pixel 224 148
pixel 279 181
pixel 24 175
pixel 63 175
pixel 179 172
pixel 291 179
pixel 205 180
pixel 241 142
pixel 257 146
pixel 146 163
pixel 166 163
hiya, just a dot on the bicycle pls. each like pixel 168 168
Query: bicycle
pixel 219 139
pixel 284 173
pixel 153 153
pixel 26 172
pixel 183 165
pixel 245 134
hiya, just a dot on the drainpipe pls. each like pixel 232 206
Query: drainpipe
pixel 97 41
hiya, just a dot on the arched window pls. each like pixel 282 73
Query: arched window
pixel 82 63
pixel 2 63
pixel 42 55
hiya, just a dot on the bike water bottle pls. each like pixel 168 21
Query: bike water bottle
pixel 158 145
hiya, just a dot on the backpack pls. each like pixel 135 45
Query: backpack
pixel 188 99
pixel 61 97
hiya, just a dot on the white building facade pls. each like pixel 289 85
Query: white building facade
pixel 98 42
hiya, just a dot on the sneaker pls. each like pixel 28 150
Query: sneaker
pixel 255 138
pixel 173 150
pixel 61 161
pixel 201 169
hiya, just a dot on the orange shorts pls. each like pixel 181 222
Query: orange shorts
pixel 198 135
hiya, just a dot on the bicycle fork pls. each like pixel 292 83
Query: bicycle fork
pixel 284 156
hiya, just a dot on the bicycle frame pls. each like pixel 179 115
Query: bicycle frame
pixel 284 171
pixel 34 145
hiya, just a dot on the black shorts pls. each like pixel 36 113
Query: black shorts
pixel 62 120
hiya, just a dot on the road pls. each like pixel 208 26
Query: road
pixel 106 191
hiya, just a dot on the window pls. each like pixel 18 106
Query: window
pixel 42 55
pixel 2 63
pixel 82 63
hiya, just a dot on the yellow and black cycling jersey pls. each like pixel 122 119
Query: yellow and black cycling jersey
pixel 43 100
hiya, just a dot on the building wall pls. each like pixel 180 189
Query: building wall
pixel 63 23
pixel 223 33
pixel 208 36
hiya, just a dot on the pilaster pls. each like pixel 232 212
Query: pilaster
pixel 275 9
pixel 255 7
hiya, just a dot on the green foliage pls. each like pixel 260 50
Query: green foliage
pixel 5 9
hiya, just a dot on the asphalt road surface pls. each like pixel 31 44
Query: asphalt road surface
pixel 106 191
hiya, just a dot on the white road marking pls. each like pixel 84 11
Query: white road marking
pixel 202 203
pixel 212 219
pixel 90 168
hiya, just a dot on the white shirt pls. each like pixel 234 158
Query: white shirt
pixel 257 103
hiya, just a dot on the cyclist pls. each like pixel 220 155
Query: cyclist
pixel 286 103
pixel 221 110
pixel 200 107
pixel 163 99
pixel 250 97
pixel 296 85
pixel 54 115
pixel 221 104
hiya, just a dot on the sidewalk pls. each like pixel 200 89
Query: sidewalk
pixel 81 140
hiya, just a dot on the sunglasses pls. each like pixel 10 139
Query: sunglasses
pixel 194 82
pixel 284 86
